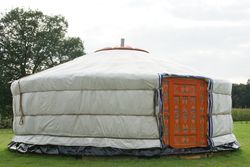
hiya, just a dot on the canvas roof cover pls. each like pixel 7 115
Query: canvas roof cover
pixel 113 69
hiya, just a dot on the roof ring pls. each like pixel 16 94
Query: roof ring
pixel 121 47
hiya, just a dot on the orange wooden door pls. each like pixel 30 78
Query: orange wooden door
pixel 185 112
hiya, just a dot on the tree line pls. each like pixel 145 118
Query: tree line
pixel 241 95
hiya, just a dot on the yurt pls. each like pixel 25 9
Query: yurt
pixel 121 101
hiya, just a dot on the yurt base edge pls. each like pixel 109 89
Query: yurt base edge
pixel 109 151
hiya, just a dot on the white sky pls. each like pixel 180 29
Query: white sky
pixel 211 36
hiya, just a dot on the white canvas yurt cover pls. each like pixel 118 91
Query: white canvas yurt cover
pixel 121 101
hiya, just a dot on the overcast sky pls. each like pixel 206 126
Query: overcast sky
pixel 211 36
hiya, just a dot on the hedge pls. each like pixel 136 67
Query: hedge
pixel 241 114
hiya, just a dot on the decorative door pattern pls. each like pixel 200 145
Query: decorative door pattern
pixel 185 113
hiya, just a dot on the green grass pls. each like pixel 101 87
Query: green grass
pixel 236 158
pixel 241 114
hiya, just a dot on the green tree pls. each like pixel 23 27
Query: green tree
pixel 31 41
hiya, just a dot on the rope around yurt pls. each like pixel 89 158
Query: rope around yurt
pixel 21 121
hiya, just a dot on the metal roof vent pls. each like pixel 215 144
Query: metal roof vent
pixel 121 47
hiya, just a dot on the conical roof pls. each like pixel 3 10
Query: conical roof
pixel 108 69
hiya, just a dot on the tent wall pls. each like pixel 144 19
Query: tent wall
pixel 89 114
pixel 75 82
pixel 119 117
pixel 102 102
pixel 128 127
pixel 222 123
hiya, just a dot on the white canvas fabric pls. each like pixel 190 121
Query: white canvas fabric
pixel 96 142
pixel 106 126
pixel 102 71
pixel 118 102
pixel 221 140
pixel 222 125
pixel 222 104
pixel 222 87
pixel 222 121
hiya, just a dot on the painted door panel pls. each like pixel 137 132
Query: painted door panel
pixel 185 113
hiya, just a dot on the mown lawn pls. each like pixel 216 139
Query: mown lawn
pixel 237 158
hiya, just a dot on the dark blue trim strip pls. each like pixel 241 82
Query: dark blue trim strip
pixel 160 110
pixel 210 109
